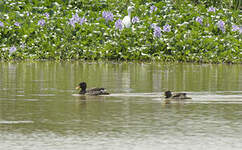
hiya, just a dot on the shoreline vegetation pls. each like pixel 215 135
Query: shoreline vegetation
pixel 167 30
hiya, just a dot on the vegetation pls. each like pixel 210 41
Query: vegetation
pixel 165 30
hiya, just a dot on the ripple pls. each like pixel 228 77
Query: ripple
pixel 16 122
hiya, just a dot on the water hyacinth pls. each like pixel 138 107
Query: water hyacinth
pixel 107 15
pixel 12 49
pixel 199 20
pixel 211 9
pixel 41 22
pixel 76 19
pixel 153 25
pixel 153 9
pixel 235 28
pixel 1 24
pixel 47 15
pixel 167 28
pixel 157 31
pixel 72 22
pixel 135 19
pixel 118 24
pixel 82 20
pixel 221 25
pixel 17 24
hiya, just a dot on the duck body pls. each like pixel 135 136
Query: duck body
pixel 177 96
pixel 93 91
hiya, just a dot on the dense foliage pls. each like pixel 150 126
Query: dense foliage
pixel 161 30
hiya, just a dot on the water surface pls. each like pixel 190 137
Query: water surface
pixel 40 108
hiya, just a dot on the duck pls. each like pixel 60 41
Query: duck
pixel 93 91
pixel 168 95
pixel 126 22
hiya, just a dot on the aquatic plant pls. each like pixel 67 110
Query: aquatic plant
pixel 153 9
pixel 1 24
pixel 157 31
pixel 41 22
pixel 118 24
pixel 135 19
pixel 12 49
pixel 107 15
pixel 161 30
pixel 167 28
pixel 220 25
pixel 199 20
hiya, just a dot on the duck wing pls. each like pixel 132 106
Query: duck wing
pixel 97 91
pixel 181 96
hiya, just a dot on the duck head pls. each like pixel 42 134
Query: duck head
pixel 168 94
pixel 82 86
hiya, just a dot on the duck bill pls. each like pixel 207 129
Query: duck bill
pixel 78 87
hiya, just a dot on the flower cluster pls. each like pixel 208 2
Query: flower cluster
pixel 153 9
pixel 17 24
pixel 211 9
pixel 76 19
pixel 41 22
pixel 47 15
pixel 118 24
pixel 135 19
pixel 1 24
pixel 221 25
pixel 199 20
pixel 107 15
pixel 167 28
pixel 12 49
pixel 157 31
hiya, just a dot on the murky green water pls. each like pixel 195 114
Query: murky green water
pixel 40 108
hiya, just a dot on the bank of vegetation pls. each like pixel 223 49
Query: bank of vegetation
pixel 164 30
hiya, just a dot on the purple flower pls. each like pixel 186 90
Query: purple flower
pixel 153 8
pixel 221 25
pixel 41 22
pixel 157 31
pixel 235 28
pixel 12 49
pixel 118 24
pixel 199 20
pixel 72 22
pixel 211 9
pixel 47 15
pixel 240 30
pixel 27 13
pixel 167 28
pixel 104 14
pixel 1 24
pixel 82 20
pixel 75 19
pixel 107 15
pixel 17 24
pixel 153 25
pixel 135 19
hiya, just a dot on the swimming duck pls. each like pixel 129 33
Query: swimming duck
pixel 93 91
pixel 169 95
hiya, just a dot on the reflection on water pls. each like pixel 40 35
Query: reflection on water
pixel 40 108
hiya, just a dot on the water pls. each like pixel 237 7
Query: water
pixel 40 108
